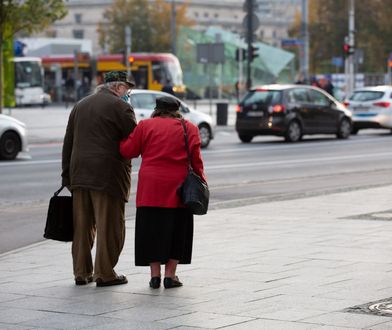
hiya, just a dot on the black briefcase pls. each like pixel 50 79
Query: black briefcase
pixel 59 221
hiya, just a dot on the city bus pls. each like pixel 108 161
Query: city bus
pixel 29 81
pixel 153 71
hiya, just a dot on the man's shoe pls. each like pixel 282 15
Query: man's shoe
pixel 169 282
pixel 120 279
pixel 155 282
pixel 83 280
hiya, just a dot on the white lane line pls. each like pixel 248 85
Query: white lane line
pixel 256 147
pixel 30 162
pixel 299 161
pixel 234 165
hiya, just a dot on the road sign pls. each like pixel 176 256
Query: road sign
pixel 337 61
pixel 291 42
pixel 255 22
pixel 211 52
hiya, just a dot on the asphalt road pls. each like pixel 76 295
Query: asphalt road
pixel 239 174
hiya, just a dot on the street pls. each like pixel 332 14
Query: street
pixel 239 174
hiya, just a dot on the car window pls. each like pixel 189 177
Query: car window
pixel 265 97
pixel 366 96
pixel 318 98
pixel 298 95
pixel 143 101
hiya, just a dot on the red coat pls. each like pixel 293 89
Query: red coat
pixel 160 142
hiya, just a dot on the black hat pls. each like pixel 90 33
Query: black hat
pixel 120 76
pixel 167 103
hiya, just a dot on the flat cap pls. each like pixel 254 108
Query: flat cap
pixel 120 76
pixel 167 103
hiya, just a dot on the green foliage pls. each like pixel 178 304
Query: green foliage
pixel 25 16
pixel 30 15
pixel 149 22
pixel 328 25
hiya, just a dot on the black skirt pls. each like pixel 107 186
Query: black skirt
pixel 162 234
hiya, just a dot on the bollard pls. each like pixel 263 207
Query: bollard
pixel 221 114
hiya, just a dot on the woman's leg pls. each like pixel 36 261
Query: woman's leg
pixel 155 268
pixel 170 268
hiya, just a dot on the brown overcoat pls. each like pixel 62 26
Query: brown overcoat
pixel 91 158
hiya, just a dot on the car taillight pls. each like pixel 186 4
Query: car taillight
pixel 278 108
pixel 238 108
pixel 346 104
pixel 382 104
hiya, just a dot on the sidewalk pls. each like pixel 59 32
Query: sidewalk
pixel 46 125
pixel 296 264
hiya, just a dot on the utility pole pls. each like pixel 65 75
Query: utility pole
pixel 350 72
pixel 249 33
pixel 173 27
pixel 128 45
pixel 305 36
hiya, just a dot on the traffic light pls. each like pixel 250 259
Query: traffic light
pixel 240 54
pixel 347 48
pixel 254 52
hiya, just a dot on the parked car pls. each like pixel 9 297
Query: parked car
pixel 291 111
pixel 13 137
pixel 143 102
pixel 371 107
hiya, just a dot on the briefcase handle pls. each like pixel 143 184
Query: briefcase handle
pixel 59 191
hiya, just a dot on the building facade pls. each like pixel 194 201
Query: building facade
pixel 275 16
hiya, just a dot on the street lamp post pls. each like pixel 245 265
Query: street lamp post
pixel 350 72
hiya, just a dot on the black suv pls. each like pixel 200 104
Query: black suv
pixel 291 111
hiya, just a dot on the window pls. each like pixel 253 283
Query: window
pixel 216 15
pixel 298 95
pixel 206 15
pixel 366 96
pixel 78 34
pixel 143 101
pixel 78 18
pixel 264 97
pixel 196 14
pixel 318 98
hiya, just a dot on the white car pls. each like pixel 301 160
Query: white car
pixel 13 137
pixel 371 107
pixel 143 102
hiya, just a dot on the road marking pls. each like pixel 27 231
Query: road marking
pixel 278 145
pixel 233 165
pixel 298 161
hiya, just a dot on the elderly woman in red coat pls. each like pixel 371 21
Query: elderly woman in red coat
pixel 164 227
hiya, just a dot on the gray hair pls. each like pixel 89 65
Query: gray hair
pixel 112 85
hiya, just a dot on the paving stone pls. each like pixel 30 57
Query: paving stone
pixel 347 319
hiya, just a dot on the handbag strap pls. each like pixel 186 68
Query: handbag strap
pixel 58 191
pixel 186 144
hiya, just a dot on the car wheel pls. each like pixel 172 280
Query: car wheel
pixel 9 146
pixel 293 132
pixel 205 135
pixel 245 138
pixel 344 129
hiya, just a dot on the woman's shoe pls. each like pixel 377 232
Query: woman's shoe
pixel 169 282
pixel 155 282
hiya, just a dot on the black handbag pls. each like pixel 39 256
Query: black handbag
pixel 193 191
pixel 59 221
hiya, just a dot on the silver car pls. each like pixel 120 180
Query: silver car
pixel 143 102
pixel 371 107
pixel 13 137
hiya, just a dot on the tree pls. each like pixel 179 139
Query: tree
pixel 149 22
pixel 26 16
pixel 328 25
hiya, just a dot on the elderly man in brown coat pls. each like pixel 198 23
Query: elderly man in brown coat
pixel 99 178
